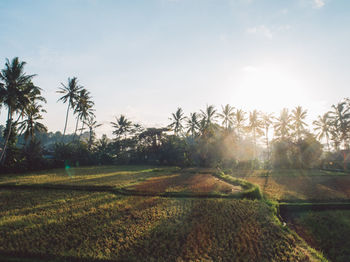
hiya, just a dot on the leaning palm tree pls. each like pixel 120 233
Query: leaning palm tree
pixel 239 120
pixel 255 127
pixel 70 94
pixel 121 127
pixel 31 125
pixel 91 123
pixel 13 92
pixel 282 125
pixel 177 119
pixel 322 128
pixel 192 124
pixel 340 119
pixel 298 116
pixel 227 116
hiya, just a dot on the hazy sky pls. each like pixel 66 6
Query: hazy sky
pixel 146 58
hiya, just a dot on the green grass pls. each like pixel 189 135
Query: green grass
pixel 61 225
pixel 328 231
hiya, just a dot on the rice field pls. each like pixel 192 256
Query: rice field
pixel 328 231
pixel 59 225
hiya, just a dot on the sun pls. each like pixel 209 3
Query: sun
pixel 269 88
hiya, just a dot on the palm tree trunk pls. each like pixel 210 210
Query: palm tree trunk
pixel 76 128
pixel 9 118
pixel 254 143
pixel 81 132
pixel 90 139
pixel 65 125
pixel 328 143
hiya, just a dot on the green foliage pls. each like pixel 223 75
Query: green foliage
pixel 304 153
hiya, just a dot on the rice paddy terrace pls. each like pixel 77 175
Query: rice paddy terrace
pixel 141 213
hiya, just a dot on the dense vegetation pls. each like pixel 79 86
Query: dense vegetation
pixel 228 137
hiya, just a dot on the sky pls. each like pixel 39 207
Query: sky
pixel 144 59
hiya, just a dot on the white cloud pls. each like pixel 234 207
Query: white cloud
pixel 267 32
pixel 260 30
pixel 318 3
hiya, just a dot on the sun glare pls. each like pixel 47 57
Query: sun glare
pixel 270 88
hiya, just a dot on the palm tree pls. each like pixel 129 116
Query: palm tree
pixel 83 108
pixel 209 116
pixel 339 118
pixel 227 116
pixel 255 126
pixel 177 119
pixel 282 125
pixel 322 127
pixel 30 124
pixel 70 94
pixel 298 116
pixel 14 92
pixel 192 124
pixel 91 123
pixel 266 123
pixel 239 120
pixel 122 126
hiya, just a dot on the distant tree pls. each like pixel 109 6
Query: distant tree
pixel 322 128
pixel 298 116
pixel 70 94
pixel 92 124
pixel 208 119
pixel 192 124
pixel 266 123
pixel 239 121
pixel 255 127
pixel 121 127
pixel 83 108
pixel 177 119
pixel 282 125
pixel 339 119
pixel 31 125
pixel 227 116
pixel 14 93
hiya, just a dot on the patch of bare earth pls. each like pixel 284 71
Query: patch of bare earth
pixel 197 183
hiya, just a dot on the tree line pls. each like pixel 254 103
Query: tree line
pixel 228 137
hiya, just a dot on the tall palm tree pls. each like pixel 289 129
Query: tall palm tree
pixel 14 92
pixel 322 128
pixel 282 125
pixel 70 94
pixel 177 119
pixel 91 123
pixel 83 108
pixel 30 125
pixel 340 119
pixel 239 121
pixel 227 116
pixel 122 126
pixel 298 116
pixel 192 124
pixel 255 126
